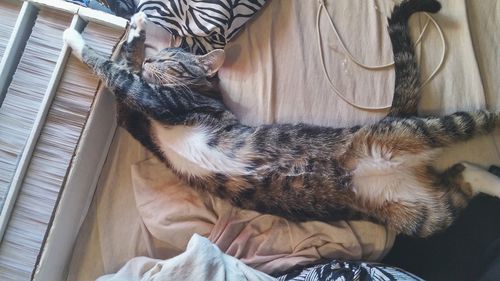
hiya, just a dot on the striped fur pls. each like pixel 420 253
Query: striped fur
pixel 381 172
pixel 406 85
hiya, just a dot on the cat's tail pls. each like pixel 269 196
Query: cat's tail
pixel 407 83
pixel 402 12
pixel 457 127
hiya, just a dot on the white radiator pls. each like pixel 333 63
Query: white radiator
pixel 56 124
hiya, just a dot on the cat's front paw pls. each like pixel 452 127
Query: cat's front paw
pixel 137 26
pixel 138 21
pixel 75 40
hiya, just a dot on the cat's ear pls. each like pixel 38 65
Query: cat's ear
pixel 212 61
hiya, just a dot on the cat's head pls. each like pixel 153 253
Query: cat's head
pixel 174 67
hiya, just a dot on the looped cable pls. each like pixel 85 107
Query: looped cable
pixel 371 67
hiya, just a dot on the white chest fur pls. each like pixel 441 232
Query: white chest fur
pixel 188 151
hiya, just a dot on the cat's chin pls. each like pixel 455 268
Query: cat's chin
pixel 146 76
pixel 74 40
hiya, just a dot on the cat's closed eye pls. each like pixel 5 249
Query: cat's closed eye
pixel 174 70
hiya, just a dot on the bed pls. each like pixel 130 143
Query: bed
pixel 273 73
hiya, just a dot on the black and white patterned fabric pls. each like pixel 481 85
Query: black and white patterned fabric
pixel 347 271
pixel 202 25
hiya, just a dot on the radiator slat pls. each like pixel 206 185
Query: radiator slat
pixel 21 243
pixel 22 102
pixel 8 14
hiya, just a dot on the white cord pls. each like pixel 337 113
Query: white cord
pixel 371 67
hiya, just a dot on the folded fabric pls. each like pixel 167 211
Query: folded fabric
pixel 201 261
pixel 172 212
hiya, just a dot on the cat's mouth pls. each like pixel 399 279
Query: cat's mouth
pixel 148 74
pixel 148 77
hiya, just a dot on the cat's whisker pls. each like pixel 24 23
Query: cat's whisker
pixel 171 80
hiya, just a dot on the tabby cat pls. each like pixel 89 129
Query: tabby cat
pixel 381 172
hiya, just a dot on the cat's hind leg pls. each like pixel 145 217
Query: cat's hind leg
pixel 454 189
pixel 480 180
pixel 441 199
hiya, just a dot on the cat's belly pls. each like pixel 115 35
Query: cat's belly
pixel 188 152
pixel 379 178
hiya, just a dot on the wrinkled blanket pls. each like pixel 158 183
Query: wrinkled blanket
pixel 203 260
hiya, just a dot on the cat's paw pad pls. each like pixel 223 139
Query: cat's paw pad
pixel 75 40
pixel 138 21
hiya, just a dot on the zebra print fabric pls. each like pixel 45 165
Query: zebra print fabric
pixel 202 25
pixel 344 271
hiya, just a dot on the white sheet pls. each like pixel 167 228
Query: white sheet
pixel 201 261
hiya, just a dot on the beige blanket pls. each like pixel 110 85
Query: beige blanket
pixel 172 212
pixel 273 74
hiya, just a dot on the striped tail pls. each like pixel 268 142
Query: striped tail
pixel 407 83
pixel 457 127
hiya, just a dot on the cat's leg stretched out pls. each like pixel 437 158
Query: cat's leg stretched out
pixel 163 103
pixel 418 200
pixel 481 181
pixel 127 85
pixel 112 73
pixel 132 51
pixel 455 188
pixel 131 54
pixel 447 196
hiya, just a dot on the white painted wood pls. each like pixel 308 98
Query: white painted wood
pixel 20 34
